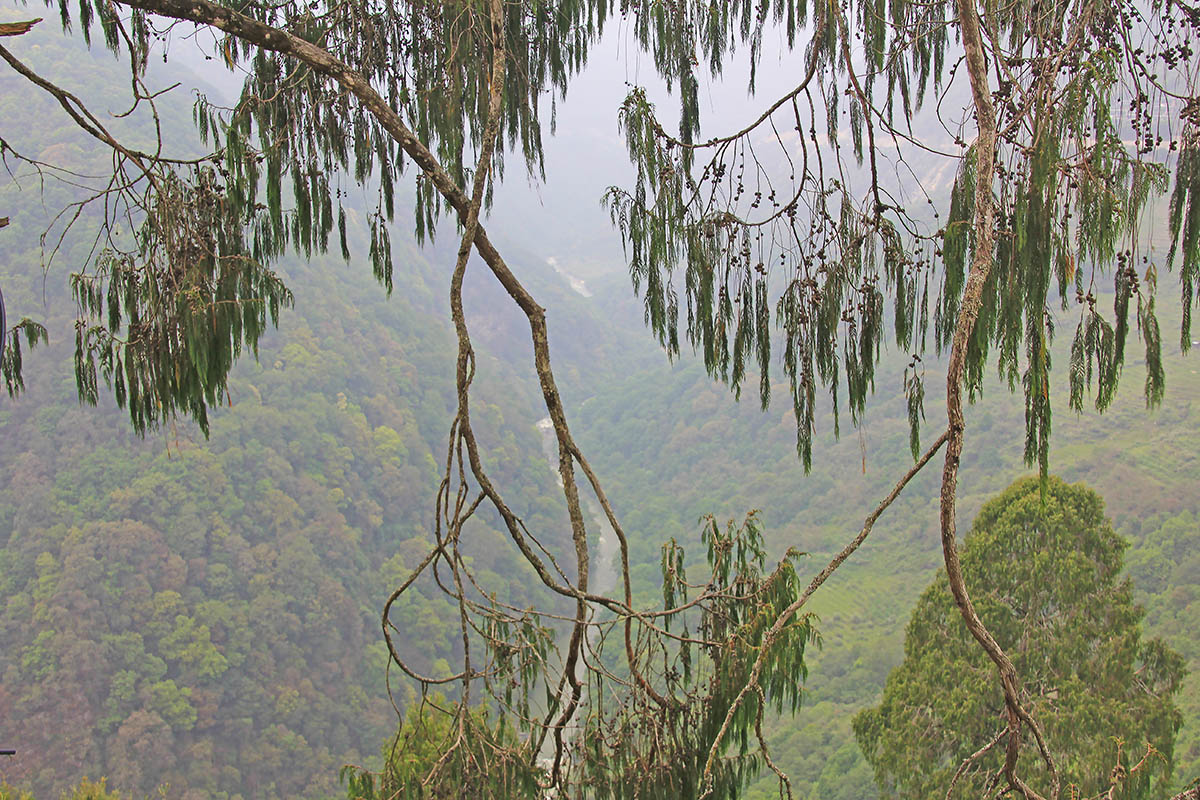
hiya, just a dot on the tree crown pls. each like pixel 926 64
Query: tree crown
pixel 1046 568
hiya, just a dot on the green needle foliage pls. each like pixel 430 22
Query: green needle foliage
pixel 783 240
pixel 637 748
pixel 429 734
pixel 162 321
pixel 648 732
pixel 1046 571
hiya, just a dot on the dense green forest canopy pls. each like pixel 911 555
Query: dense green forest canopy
pixel 205 615
pixel 669 467
pixel 741 459
pixel 1049 197
pixel 1048 565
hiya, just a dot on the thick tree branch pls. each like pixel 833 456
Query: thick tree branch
pixel 964 329
pixel 321 61
pixel 324 63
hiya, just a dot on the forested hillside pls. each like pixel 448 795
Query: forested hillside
pixel 203 613
pixel 677 446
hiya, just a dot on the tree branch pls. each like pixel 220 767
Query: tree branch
pixel 773 633
pixel 964 329
pixel 18 28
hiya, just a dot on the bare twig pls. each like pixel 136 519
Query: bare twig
pixel 978 754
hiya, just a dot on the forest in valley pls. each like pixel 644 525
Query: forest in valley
pixel 190 602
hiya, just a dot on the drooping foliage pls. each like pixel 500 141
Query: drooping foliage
pixel 425 737
pixel 1046 569
pixel 634 747
pixel 645 734
pixel 195 287
pixel 780 234
pixel 11 358
pixel 178 312
pixel 763 224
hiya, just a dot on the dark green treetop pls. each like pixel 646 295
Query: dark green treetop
pixel 1047 571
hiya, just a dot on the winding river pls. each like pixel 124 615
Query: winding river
pixel 603 575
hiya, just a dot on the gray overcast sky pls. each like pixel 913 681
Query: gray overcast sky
pixel 562 218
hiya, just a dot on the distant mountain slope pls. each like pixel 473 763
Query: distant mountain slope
pixel 675 446
pixel 204 614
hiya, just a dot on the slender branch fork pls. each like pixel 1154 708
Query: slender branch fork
pixel 756 673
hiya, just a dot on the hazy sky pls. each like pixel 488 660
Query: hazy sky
pixel 562 218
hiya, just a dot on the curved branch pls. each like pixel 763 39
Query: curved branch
pixel 773 633
pixel 972 300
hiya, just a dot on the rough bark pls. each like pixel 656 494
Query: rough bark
pixel 981 264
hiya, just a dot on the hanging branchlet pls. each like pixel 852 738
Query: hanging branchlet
pixel 914 401
pixel 732 222
pixel 775 204
pixel 279 157
pixel 176 313
pixel 11 358
pixel 1185 218
pixel 632 745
